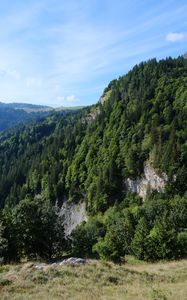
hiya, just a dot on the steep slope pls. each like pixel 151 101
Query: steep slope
pixel 143 119
pixel 36 153
pixel 132 140
pixel 89 155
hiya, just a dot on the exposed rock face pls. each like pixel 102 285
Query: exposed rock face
pixel 73 215
pixel 72 261
pixel 150 180
pixel 105 97
pixel 93 114
pixel 185 55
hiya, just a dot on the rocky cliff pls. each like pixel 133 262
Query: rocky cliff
pixel 185 55
pixel 151 180
pixel 73 215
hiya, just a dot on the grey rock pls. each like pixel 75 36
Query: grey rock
pixel 151 180
pixel 72 261
pixel 80 261
pixel 40 266
pixel 185 55
pixel 73 215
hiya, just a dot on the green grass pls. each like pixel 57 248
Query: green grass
pixel 96 280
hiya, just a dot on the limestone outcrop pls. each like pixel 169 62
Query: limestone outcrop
pixel 73 214
pixel 150 180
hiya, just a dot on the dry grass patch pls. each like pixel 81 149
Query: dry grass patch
pixel 96 280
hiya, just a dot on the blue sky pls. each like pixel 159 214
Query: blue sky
pixel 64 53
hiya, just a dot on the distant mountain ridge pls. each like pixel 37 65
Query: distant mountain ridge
pixel 25 106
pixel 29 107
pixel 12 114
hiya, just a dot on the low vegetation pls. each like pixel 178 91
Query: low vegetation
pixel 95 280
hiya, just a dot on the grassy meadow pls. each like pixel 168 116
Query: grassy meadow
pixel 95 280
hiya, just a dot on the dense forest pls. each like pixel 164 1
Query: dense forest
pixel 86 156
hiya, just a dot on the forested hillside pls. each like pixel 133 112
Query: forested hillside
pixel 86 156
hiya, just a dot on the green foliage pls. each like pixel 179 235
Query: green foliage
pixel 182 244
pixel 139 243
pixel 33 229
pixel 119 232
pixel 162 241
pixel 84 236
pixel 39 229
pixel 11 252
pixel 3 242
pixel 149 231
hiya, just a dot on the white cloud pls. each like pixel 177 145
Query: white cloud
pixel 71 98
pixel 176 36
pixel 66 100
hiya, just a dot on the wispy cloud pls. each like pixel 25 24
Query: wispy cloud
pixel 68 100
pixel 176 37
pixel 10 74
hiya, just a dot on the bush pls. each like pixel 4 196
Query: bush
pixel 182 244
pixel 139 242
pixel 162 242
pixel 85 235
pixel 117 240
pixel 33 229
